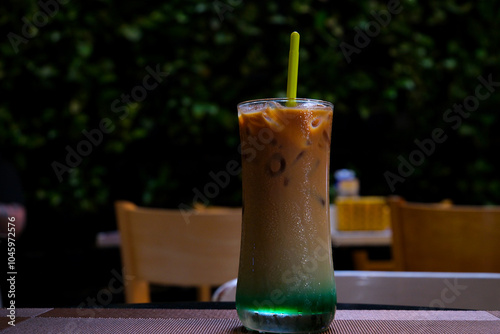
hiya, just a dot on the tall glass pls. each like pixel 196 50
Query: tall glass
pixel 285 281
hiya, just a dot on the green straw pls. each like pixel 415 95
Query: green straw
pixel 293 69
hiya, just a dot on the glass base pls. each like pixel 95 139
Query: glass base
pixel 285 323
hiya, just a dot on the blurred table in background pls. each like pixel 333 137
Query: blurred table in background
pixel 108 239
pixel 377 242
pixel 339 238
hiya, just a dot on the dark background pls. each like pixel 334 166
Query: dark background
pixel 64 76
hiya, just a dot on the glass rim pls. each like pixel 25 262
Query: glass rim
pixel 324 103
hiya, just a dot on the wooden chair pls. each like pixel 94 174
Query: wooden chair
pixel 440 237
pixel 169 247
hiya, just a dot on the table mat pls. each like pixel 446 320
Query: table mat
pixel 21 315
pixel 132 313
pixel 495 313
pixel 184 321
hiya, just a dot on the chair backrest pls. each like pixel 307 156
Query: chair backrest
pixel 171 247
pixel 449 238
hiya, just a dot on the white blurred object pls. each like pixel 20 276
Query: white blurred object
pixel 226 292
pixel 468 291
pixel 108 239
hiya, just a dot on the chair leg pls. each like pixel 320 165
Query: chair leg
pixel 362 262
pixel 204 293
pixel 137 291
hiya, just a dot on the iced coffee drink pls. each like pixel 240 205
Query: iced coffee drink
pixel 285 280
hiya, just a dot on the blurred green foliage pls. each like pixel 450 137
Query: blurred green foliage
pixel 64 78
